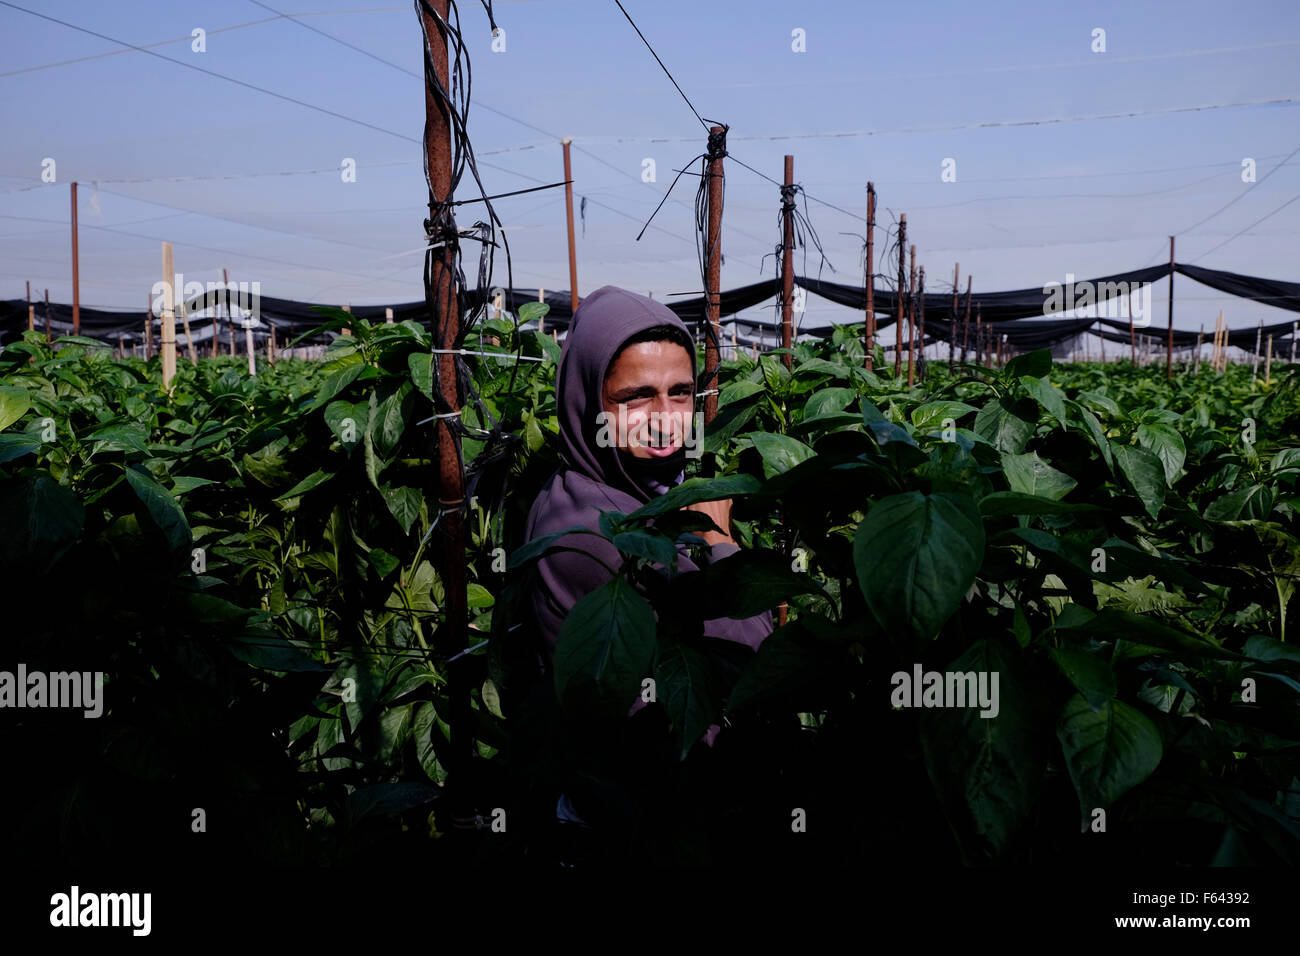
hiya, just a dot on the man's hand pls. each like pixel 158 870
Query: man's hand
pixel 720 513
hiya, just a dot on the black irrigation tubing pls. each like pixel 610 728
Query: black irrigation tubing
pixel 661 64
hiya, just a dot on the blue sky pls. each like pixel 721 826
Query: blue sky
pixel 240 179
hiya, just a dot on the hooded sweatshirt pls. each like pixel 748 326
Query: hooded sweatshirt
pixel 592 478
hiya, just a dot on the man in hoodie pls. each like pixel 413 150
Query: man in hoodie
pixel 631 358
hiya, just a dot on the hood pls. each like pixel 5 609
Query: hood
pixel 604 321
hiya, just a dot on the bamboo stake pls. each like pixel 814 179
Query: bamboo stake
pixel 168 318
pixel 1196 368
pixel 568 205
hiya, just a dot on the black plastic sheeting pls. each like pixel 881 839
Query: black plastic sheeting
pixel 1003 313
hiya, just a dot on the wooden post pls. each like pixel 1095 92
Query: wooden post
pixel 1132 333
pixel 440 268
pixel 274 352
pixel 1169 353
pixel 1101 343
pixel 568 207
pixel 388 315
pixel 1268 360
pixel 347 330
pixel 1295 329
pixel 787 261
pixel 76 275
pixel 1196 366
pixel 900 308
pixel 979 335
pixel 911 321
pixel 121 347
pixel 148 329
pixel 47 316
pixel 31 309
pixel 717 135
pixel 871 275
pixel 168 318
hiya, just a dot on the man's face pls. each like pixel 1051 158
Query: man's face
pixel 653 381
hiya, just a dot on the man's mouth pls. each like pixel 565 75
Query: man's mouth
pixel 661 451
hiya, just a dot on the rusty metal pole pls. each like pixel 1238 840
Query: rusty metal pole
pixel 902 291
pixel 920 317
pixel 441 269
pixel 911 321
pixel 76 276
pixel 871 275
pixel 787 261
pixel 714 276
pixel 230 319
pixel 1169 353
pixel 965 335
pixel 1132 334
pixel 952 326
pixel 568 205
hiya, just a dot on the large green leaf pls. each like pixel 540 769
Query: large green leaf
pixel 751 582
pixel 1007 425
pixel 1034 364
pixel 684 684
pixel 605 649
pixel 694 490
pixel 1047 395
pixel 39 521
pixel 14 402
pixel 162 508
pixel 1145 475
pixel 403 503
pixel 780 452
pixel 916 556
pixel 1030 475
pixel 1090 674
pixel 987 770
pixel 121 438
pixel 1167 445
pixel 1108 751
